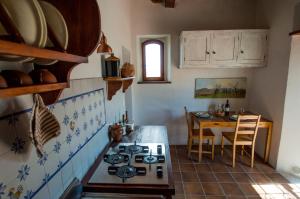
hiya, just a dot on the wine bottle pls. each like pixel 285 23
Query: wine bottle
pixel 227 108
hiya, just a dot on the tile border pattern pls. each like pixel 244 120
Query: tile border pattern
pixel 49 177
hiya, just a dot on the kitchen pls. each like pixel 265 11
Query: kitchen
pixel 270 90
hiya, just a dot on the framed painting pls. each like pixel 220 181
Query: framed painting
pixel 220 87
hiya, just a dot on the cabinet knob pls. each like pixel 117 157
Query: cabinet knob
pixel 214 52
pixel 207 53
pixel 242 51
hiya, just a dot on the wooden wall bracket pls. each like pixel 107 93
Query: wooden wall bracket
pixel 127 84
pixel 116 83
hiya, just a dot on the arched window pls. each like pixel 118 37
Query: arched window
pixel 153 60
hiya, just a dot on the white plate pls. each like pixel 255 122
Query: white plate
pixel 56 21
pixel 29 20
pixel 203 114
pixel 234 117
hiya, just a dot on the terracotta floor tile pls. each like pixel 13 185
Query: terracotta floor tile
pixel 178 188
pixel 195 197
pixel 189 177
pixel 193 188
pixel 184 159
pixel 207 177
pixel 215 197
pixel 218 167
pixel 237 168
pixel 187 168
pixel 277 178
pixel 218 180
pixel 241 177
pixel 248 189
pixel 224 177
pixel 248 169
pixel 178 196
pixel 177 176
pixel 175 167
pixel 266 168
pixel 260 178
pixel 173 154
pixel 231 189
pixel 212 189
pixel 202 168
pixel 181 147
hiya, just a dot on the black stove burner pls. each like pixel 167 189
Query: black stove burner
pixel 149 159
pixel 133 149
pixel 126 171
pixel 116 158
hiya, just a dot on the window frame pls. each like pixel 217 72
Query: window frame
pixel 162 54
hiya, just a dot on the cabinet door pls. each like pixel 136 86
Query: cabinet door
pixel 253 46
pixel 196 49
pixel 224 47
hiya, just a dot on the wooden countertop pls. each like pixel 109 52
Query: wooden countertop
pixel 143 134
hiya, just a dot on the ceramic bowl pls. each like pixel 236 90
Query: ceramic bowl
pixel 3 83
pixel 42 76
pixel 16 78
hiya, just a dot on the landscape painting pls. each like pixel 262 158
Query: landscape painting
pixel 220 87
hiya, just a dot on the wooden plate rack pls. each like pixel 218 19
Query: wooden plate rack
pixel 84 27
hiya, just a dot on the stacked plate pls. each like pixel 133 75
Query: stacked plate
pixel 31 18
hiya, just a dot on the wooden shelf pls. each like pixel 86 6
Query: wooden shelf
pixel 11 48
pixel 42 88
pixel 115 83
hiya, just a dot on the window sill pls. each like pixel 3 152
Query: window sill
pixel 154 82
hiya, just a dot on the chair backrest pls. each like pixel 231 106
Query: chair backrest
pixel 188 120
pixel 247 125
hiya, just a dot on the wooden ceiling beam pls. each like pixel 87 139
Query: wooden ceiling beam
pixel 170 3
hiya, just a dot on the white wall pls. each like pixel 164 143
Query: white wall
pixel 269 84
pixel 288 160
pixel 163 103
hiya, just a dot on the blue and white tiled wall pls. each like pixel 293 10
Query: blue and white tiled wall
pixel 83 135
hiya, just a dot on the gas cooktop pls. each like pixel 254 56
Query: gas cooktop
pixel 133 163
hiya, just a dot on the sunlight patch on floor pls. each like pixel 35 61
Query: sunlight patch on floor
pixel 277 191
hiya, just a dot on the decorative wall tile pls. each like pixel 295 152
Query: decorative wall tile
pixel 77 165
pixel 35 178
pixel 55 186
pixel 43 193
pixel 51 165
pixel 7 138
pixel 67 174
pixel 81 118
pixel 9 165
pixel 15 190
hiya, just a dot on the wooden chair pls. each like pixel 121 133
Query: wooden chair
pixel 244 135
pixel 193 135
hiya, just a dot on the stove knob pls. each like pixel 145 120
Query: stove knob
pixel 159 171
pixel 159 149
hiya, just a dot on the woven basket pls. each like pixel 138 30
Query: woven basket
pixel 128 70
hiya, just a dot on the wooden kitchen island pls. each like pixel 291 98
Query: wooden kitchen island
pixel 143 134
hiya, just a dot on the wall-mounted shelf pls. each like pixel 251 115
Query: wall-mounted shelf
pixel 82 18
pixel 116 83
pixel 11 48
pixel 42 88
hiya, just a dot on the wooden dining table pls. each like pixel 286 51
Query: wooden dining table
pixel 226 122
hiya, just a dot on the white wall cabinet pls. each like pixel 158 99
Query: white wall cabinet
pixel 253 46
pixel 223 49
pixel 196 48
